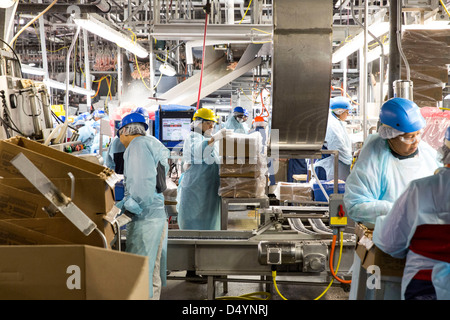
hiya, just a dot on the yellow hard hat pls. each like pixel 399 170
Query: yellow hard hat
pixel 205 114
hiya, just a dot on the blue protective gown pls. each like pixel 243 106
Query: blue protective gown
pixel 441 280
pixel 149 222
pixel 418 228
pixel 378 178
pixel 236 126
pixel 198 201
pixel 338 139
pixel 86 136
pixel 376 181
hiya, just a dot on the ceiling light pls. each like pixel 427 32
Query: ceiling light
pixel 105 29
pixel 62 86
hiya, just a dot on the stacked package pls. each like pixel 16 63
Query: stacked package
pixel 295 192
pixel 243 166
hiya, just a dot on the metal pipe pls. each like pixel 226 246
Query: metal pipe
pixel 68 69
pixel 394 55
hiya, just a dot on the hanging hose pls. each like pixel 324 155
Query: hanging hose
pixel 333 245
pixel 207 9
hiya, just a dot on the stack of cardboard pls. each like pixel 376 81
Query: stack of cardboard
pixel 243 166
pixel 44 256
pixel 23 220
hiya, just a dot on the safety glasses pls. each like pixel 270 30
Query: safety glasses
pixel 411 140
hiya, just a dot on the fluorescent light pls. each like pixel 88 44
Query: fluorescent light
pixel 105 29
pixel 377 29
pixel 62 86
pixel 167 70
pixel 32 70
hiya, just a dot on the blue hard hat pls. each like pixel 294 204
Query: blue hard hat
pixel 239 109
pixel 340 103
pixel 246 113
pixel 99 114
pixel 402 114
pixel 141 110
pixel 134 117
pixel 447 134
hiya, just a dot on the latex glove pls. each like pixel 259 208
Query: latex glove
pixel 221 134
pixel 124 218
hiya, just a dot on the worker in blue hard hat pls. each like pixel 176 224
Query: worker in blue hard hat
pixel 388 162
pixel 236 121
pixel 337 138
pixel 145 169
pixel 114 154
pixel 418 228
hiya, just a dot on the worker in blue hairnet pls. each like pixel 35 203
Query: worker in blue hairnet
pixel 418 228
pixel 388 161
pixel 337 138
pixel 145 169
pixel 236 121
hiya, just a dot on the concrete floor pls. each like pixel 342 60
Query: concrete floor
pixel 185 290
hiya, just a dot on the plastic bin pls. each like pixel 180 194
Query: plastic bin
pixel 329 188
pixel 119 191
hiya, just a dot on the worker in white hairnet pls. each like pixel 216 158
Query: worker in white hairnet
pixel 86 134
pixel 418 228
pixel 337 138
pixel 114 154
pixel 388 161
pixel 145 169
pixel 199 201
pixel 236 121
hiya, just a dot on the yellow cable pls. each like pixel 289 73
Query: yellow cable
pixel 274 275
pixel 246 11
pixel 445 8
pixel 337 267
pixel 31 22
pixel 248 296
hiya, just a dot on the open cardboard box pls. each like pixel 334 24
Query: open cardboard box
pixel 71 272
pixel 93 191
pixel 389 266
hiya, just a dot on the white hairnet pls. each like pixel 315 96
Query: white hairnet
pixel 133 129
pixel 387 132
pixel 444 154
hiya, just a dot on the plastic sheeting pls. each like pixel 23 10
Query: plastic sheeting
pixel 437 122
pixel 428 53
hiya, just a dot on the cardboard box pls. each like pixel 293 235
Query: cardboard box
pixel 16 203
pixel 71 272
pixel 371 255
pixel 240 146
pixel 93 194
pixel 57 228
pixel 13 234
pixel 239 170
pixel 296 192
pixel 243 187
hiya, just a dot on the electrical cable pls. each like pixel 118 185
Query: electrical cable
pixel 15 54
pixel 333 245
pixel 31 22
pixel 445 8
pixel 246 11
pixel 274 275
pixel 207 9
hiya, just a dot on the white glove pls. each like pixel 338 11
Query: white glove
pixel 222 133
